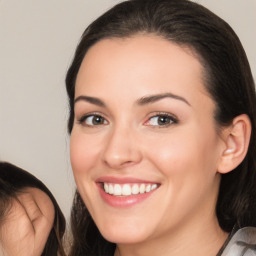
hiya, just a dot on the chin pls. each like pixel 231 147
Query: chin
pixel 123 239
pixel 123 236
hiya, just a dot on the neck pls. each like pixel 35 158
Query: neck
pixel 202 240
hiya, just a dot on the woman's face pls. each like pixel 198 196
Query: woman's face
pixel 144 146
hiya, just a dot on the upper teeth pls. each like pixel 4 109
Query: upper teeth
pixel 128 189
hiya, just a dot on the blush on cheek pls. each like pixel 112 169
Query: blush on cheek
pixel 170 153
pixel 82 154
pixel 76 153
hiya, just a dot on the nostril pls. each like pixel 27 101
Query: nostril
pixel 119 164
pixel 120 149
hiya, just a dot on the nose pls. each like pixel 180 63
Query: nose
pixel 121 149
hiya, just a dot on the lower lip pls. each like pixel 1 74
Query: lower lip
pixel 124 201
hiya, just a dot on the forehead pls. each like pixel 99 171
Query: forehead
pixel 128 63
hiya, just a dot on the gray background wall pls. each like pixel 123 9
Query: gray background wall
pixel 37 41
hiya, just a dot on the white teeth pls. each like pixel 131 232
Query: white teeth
pixel 117 190
pixel 148 188
pixel 106 187
pixel 128 189
pixel 110 189
pixel 142 188
pixel 154 186
pixel 135 189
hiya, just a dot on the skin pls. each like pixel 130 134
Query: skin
pixel 183 156
pixel 27 224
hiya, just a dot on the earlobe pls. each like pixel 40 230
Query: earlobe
pixel 237 140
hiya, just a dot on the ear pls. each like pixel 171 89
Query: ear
pixel 236 138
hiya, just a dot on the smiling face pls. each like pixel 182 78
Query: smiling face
pixel 144 146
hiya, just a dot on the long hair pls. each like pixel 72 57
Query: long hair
pixel 227 78
pixel 13 180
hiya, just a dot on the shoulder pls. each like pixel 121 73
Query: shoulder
pixel 241 243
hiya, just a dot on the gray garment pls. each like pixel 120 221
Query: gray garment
pixel 240 243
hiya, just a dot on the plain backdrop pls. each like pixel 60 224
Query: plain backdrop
pixel 37 42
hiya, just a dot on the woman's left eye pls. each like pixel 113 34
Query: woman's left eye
pixel 161 120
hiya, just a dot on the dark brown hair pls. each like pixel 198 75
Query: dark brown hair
pixel 13 180
pixel 228 80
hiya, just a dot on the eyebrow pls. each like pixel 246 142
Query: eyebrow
pixel 142 101
pixel 156 97
pixel 91 100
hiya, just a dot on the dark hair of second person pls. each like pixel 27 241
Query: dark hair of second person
pixel 15 182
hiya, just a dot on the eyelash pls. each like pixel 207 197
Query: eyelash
pixel 171 119
pixel 84 118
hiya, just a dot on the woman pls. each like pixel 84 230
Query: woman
pixel 162 123
pixel 31 222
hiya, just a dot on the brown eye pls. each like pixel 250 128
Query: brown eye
pixel 161 120
pixel 93 120
pixel 96 120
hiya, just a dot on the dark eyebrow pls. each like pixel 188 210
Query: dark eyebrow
pixel 153 98
pixel 91 100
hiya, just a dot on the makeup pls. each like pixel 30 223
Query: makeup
pixel 125 192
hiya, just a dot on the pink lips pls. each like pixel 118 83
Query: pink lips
pixel 122 201
pixel 121 180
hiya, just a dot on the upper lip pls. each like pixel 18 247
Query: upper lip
pixel 123 180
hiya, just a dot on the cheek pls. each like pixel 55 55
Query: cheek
pixel 83 159
pixel 83 154
pixel 169 152
pixel 188 165
pixel 185 153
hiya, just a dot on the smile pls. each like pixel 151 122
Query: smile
pixel 128 189
pixel 125 192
